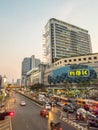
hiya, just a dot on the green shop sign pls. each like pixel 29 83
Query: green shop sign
pixel 79 72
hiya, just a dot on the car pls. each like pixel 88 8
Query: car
pixel 55 126
pixel 68 108
pixel 53 104
pixel 61 104
pixel 92 120
pixel 81 114
pixel 47 106
pixel 95 111
pixel 23 103
pixel 44 112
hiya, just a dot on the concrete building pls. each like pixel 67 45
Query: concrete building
pixel 36 75
pixel 18 83
pixel 34 62
pixel 90 60
pixel 40 75
pixel 61 39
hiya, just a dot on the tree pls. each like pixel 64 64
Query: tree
pixel 38 87
pixel 68 87
pixel 84 87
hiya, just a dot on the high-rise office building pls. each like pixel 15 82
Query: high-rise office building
pixel 61 39
pixel 26 65
pixel 29 63
pixel 34 62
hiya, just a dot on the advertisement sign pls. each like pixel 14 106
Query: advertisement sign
pixel 79 72
pixel 72 74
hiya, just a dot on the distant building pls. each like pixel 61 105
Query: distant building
pixel 61 39
pixel 36 75
pixel 0 80
pixel 28 64
pixel 18 83
pixel 34 62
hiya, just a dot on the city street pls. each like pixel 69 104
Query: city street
pixel 28 117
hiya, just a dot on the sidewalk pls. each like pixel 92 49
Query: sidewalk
pixel 6 123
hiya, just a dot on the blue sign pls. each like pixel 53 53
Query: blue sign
pixel 72 73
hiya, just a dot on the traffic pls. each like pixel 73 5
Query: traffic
pixel 28 112
pixel 33 115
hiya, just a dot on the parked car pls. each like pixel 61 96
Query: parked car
pixel 23 103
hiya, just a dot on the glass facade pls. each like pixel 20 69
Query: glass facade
pixel 26 65
pixel 64 40
pixel 72 73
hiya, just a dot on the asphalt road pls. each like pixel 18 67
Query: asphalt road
pixel 28 117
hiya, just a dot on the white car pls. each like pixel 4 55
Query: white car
pixel 47 106
pixel 22 103
pixel 60 104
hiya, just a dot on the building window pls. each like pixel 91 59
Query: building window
pixel 95 57
pixel 79 59
pixel 70 60
pixel 84 58
pixel 89 58
pixel 65 61
pixel 74 60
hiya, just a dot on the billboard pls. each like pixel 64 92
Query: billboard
pixel 79 72
pixel 72 74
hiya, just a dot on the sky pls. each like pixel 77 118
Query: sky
pixel 22 23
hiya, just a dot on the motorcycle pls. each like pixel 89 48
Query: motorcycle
pixel 55 126
pixel 80 116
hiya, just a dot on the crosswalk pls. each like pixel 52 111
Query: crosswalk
pixel 5 124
